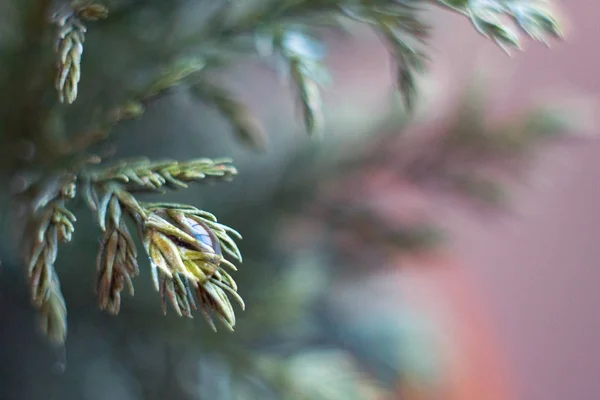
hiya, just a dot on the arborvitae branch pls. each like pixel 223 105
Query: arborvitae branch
pixel 404 33
pixel 144 174
pixel 185 250
pixel 51 224
pixel 303 58
pixel 69 45
pixel 533 17
pixel 186 246
pixel 117 259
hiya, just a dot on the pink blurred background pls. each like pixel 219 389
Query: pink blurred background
pixel 537 269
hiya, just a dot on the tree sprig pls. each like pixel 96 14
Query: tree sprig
pixel 187 246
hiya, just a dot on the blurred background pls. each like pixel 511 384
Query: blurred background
pixel 450 255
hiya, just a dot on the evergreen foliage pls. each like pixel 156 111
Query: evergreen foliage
pixel 54 133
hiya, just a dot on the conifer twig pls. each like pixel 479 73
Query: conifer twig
pixel 69 45
pixel 52 224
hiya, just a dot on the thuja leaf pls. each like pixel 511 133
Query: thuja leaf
pixel 303 57
pixel 143 174
pixel 535 20
pixel 116 262
pixel 185 246
pixel 69 44
pixel 52 224
pixel 491 27
pixel 309 95
pixel 173 76
pixel 244 124
pixel 533 17
pixel 404 34
pixel 410 61
pixel 186 256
